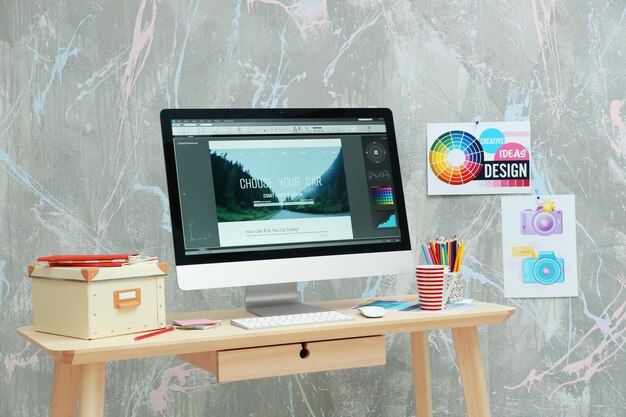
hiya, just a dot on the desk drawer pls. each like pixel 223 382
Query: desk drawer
pixel 298 358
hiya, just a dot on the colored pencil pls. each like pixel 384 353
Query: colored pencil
pixel 426 254
pixel 433 252
pixel 158 332
pixel 447 252
pixel 460 261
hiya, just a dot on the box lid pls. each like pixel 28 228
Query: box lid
pixel 98 274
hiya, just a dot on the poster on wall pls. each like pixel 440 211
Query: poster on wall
pixel 478 158
pixel 539 246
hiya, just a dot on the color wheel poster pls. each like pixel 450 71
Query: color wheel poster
pixel 478 158
pixel 539 246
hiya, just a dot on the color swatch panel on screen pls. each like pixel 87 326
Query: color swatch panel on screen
pixel 382 196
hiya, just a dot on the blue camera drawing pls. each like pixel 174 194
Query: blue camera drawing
pixel 547 269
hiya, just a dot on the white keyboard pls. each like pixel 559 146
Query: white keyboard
pixel 268 322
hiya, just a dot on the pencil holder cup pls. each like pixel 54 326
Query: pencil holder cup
pixel 456 286
pixel 433 286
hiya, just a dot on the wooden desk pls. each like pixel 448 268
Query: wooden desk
pixel 80 365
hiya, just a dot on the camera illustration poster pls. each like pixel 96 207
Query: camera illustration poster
pixel 280 191
pixel 539 246
pixel 478 158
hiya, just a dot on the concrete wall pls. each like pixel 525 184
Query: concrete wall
pixel 81 170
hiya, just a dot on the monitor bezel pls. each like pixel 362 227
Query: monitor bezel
pixel 167 115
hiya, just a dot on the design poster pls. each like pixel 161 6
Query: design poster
pixel 539 246
pixel 478 158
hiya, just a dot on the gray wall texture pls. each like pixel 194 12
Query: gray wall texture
pixel 81 170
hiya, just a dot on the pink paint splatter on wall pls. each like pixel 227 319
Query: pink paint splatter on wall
pixel 20 360
pixel 173 379
pixel 595 359
pixel 544 17
pixel 142 41
pixel 618 145
pixel 614 110
pixel 307 14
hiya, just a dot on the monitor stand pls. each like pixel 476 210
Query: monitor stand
pixel 276 300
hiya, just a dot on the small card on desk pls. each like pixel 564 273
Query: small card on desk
pixel 195 324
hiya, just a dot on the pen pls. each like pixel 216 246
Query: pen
pixel 143 336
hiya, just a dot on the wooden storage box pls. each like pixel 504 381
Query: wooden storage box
pixel 92 303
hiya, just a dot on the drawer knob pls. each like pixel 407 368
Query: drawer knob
pixel 304 352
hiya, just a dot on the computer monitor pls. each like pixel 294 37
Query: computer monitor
pixel 265 198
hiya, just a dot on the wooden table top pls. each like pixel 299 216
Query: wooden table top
pixel 226 336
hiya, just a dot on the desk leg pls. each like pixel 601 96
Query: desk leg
pixel 91 402
pixel 65 389
pixel 467 346
pixel 421 374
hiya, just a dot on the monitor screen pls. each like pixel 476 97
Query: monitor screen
pixel 266 196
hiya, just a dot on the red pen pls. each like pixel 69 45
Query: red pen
pixel 143 336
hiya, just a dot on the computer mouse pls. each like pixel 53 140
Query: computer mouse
pixel 372 312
